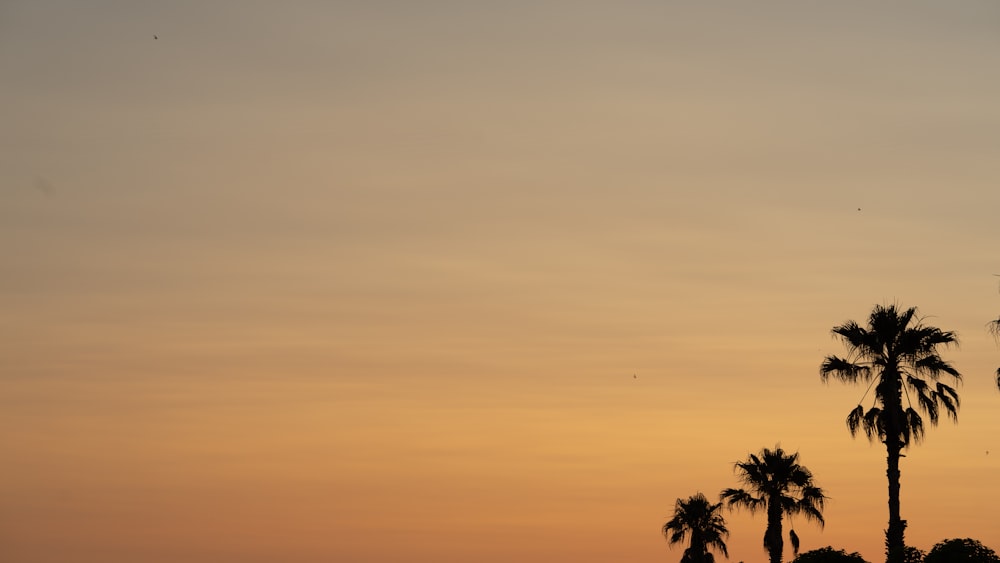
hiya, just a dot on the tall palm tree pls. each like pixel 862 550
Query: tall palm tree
pixel 994 327
pixel 702 521
pixel 897 355
pixel 777 483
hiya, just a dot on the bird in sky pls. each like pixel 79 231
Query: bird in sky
pixel 155 37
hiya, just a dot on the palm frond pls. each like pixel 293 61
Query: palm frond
pixel 926 399
pixel 813 512
pixel 943 389
pixel 740 498
pixel 948 396
pixel 719 545
pixel 814 496
pixel 933 366
pixel 854 419
pixel 873 424
pixel 914 426
pixel 851 332
pixel 931 337
pixel 994 327
pixel 917 384
pixel 794 539
pixel 843 369
pixel 674 531
pixel 800 476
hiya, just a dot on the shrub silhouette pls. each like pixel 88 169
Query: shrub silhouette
pixel 964 550
pixel 829 555
pixel 912 555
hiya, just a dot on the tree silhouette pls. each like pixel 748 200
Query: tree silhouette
pixel 913 555
pixel 701 521
pixel 775 482
pixel 964 550
pixel 994 327
pixel 829 555
pixel 897 355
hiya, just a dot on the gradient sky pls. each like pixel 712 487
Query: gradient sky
pixel 369 281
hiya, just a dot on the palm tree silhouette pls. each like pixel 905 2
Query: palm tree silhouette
pixel 898 355
pixel 703 522
pixel 994 327
pixel 777 483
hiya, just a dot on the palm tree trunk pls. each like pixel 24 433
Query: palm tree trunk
pixel 894 542
pixel 697 549
pixel 773 541
pixel 894 423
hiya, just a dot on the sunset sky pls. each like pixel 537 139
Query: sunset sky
pixel 463 281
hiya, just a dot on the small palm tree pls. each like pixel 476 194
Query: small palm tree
pixel 777 483
pixel 898 355
pixel 702 521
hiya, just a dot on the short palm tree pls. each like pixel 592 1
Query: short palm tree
pixel 701 521
pixel 897 355
pixel 777 483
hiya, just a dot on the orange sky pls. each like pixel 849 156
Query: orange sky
pixel 369 282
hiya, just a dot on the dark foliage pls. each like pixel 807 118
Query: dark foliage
pixel 913 555
pixel 964 550
pixel 829 555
